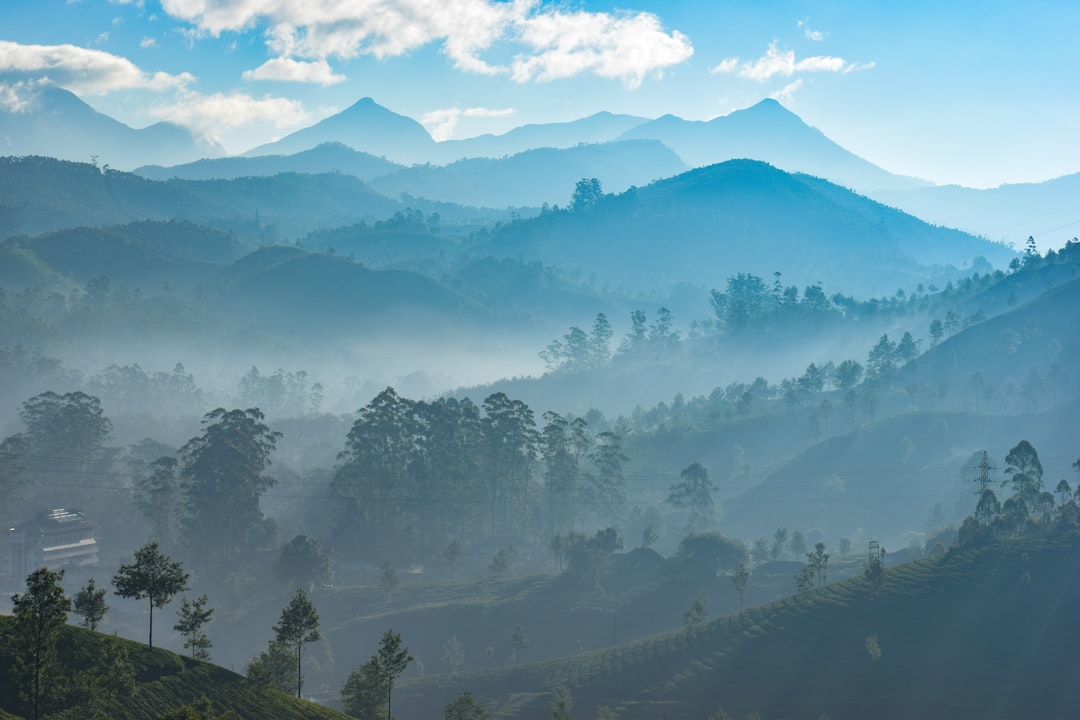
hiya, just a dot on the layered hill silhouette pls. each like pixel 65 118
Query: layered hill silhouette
pixel 1008 213
pixel 42 194
pixel 535 177
pixel 54 122
pixel 771 133
pixel 743 216
pixel 979 632
pixel 365 126
pixel 328 157
pixel 601 127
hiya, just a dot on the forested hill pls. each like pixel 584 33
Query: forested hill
pixel 742 216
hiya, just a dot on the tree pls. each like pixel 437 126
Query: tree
pixel 518 642
pixel 818 561
pixel 694 492
pixel 393 659
pixel 273 668
pixel 305 561
pixel 587 194
pixel 503 560
pixel 453 654
pixel 299 624
pixel 157 497
pixel 40 614
pixel 804 581
pixel 937 331
pixel 1022 463
pixel 561 703
pixel 797 543
pixel 154 577
pixel 740 579
pixel 388 578
pixel 779 543
pixel 464 707
pixel 192 617
pixel 649 537
pixel 848 374
pixel 710 553
pixel 364 690
pixel 451 554
pixel 223 478
pixel 697 614
pixel 90 605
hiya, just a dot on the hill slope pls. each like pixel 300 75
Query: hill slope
pixel 743 216
pixel 164 681
pixel 977 633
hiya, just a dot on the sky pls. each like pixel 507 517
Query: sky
pixel 976 93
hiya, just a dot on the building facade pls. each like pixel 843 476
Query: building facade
pixel 55 539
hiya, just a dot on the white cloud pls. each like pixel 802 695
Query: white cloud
pixel 551 43
pixel 288 70
pixel 441 123
pixel 222 112
pixel 815 35
pixel 776 63
pixel 148 42
pixel 81 70
pixel 627 47
pixel 16 97
pixel 786 94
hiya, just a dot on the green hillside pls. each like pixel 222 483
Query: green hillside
pixel 976 633
pixel 164 681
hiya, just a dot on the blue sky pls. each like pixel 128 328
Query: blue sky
pixel 975 93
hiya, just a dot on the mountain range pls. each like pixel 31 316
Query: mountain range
pixel 373 142
pixel 54 122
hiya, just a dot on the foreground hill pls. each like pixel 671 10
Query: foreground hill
pixel 744 216
pixel 164 681
pixel 975 633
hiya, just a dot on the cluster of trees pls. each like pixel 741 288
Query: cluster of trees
pixel 579 351
pixel 1030 508
pixel 417 473
pixel 41 613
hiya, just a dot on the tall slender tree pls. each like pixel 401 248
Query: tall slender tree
pixel 40 614
pixel 393 659
pixel 299 624
pixel 152 576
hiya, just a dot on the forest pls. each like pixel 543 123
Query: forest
pixel 402 458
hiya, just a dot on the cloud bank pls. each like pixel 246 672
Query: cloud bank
pixel 777 63
pixel 545 43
